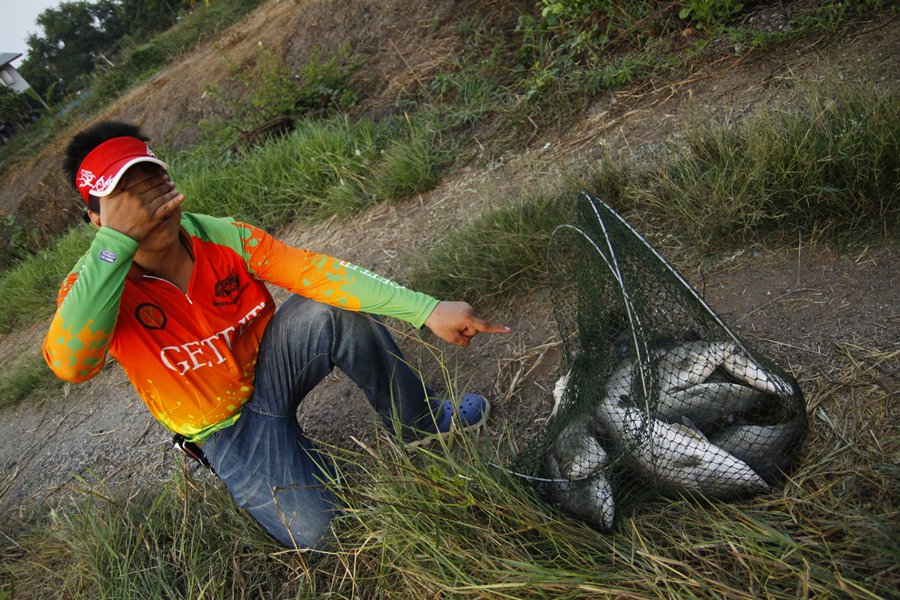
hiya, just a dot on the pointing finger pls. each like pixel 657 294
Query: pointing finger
pixel 491 327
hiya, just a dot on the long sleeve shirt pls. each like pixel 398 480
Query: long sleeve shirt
pixel 192 356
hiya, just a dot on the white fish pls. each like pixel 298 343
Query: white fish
pixel 577 451
pixel 676 456
pixel 708 403
pixel 591 500
pixel 619 384
pixel 690 363
pixel 768 449
pixel 743 368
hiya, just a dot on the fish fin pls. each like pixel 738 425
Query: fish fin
pixel 693 427
pixel 688 431
pixel 559 392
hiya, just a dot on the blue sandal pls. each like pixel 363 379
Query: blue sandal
pixel 473 411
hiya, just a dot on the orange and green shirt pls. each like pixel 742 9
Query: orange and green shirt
pixel 192 356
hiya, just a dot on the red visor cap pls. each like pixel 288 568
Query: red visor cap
pixel 101 170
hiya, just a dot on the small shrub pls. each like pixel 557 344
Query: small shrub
pixel 21 240
pixel 409 164
pixel 710 12
pixel 265 98
pixel 574 48
pixel 184 539
pixel 829 15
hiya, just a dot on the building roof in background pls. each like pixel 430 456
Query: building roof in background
pixel 8 57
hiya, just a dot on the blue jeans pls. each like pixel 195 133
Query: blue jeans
pixel 266 462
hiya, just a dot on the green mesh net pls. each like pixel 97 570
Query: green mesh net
pixel 657 395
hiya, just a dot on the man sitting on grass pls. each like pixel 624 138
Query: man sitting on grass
pixel 180 301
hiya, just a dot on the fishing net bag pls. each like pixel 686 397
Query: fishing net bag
pixel 656 394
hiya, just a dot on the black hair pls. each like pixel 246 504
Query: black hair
pixel 88 139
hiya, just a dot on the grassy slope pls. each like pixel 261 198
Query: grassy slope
pixel 442 522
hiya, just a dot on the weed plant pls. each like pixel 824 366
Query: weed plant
pixel 495 254
pixel 574 48
pixel 563 52
pixel 21 240
pixel 27 143
pixel 183 540
pixel 266 97
pixel 830 15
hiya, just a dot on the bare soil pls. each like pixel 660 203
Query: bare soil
pixel 807 306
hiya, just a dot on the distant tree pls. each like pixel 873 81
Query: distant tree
pixel 74 33
pixel 78 34
pixel 37 68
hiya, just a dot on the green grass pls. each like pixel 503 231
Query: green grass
pixel 185 540
pixel 29 289
pixel 498 253
pixel 26 376
pixel 828 169
pixel 323 167
pixel 565 59
pixel 266 96
pixel 28 294
pixel 549 68
pixel 445 521
pixel 27 144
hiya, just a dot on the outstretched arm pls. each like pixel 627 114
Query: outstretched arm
pixel 456 323
pixel 339 283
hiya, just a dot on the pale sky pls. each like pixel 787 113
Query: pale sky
pixel 18 18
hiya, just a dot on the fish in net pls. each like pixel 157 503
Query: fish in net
pixel 656 395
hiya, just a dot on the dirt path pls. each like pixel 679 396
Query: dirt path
pixel 805 306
